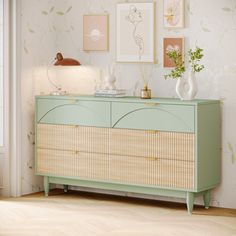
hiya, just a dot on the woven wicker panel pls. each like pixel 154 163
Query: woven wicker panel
pixel 72 164
pixel 62 137
pixel 93 139
pixel 128 156
pixel 76 138
pixel 164 145
pixel 152 171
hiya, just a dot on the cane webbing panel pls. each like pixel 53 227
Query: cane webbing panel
pixel 72 164
pixel 152 171
pixel 164 145
pixel 120 155
pixel 73 137
pixel 152 157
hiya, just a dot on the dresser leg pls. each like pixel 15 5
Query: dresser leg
pixel 207 198
pixel 65 188
pixel 46 185
pixel 190 202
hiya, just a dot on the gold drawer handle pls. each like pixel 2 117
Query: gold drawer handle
pixel 153 104
pixel 77 152
pixel 152 158
pixel 152 131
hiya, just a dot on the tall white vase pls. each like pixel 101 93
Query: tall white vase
pixel 186 88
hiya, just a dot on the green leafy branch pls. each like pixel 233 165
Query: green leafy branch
pixel 194 58
pixel 176 57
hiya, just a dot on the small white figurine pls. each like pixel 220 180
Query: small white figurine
pixel 110 78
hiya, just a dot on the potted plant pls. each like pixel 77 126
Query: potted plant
pixel 185 88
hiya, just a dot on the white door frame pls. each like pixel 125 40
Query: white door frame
pixel 15 98
pixel 6 78
pixel 12 99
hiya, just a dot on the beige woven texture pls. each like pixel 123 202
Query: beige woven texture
pixel 119 155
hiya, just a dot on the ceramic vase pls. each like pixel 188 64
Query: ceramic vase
pixel 186 88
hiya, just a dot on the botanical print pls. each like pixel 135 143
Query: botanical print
pixel 170 44
pixel 135 32
pixel 173 13
pixel 95 32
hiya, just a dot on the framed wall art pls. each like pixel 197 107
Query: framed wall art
pixel 135 32
pixel 173 13
pixel 172 44
pixel 95 32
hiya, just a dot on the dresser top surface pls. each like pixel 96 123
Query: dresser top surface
pixel 129 99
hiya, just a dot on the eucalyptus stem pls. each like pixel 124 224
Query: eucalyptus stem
pixel 176 57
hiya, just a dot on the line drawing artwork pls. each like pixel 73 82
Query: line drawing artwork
pixel 135 18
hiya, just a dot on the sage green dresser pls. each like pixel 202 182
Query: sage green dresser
pixel 164 147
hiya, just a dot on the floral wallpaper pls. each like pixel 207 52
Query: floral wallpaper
pixel 50 26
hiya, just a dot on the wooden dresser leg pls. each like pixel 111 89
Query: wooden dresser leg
pixel 65 188
pixel 190 202
pixel 46 185
pixel 207 198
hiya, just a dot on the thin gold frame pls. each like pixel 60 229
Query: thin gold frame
pixel 107 35
pixel 182 16
pixel 154 59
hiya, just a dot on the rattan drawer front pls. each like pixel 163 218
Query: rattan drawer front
pixel 72 164
pixel 76 138
pixel 62 137
pixel 164 145
pixel 152 171
pixel 93 139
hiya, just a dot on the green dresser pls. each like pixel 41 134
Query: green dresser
pixel 164 147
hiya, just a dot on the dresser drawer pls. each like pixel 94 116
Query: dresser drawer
pixel 152 171
pixel 153 116
pixel 72 164
pixel 152 144
pixel 73 138
pixel 73 112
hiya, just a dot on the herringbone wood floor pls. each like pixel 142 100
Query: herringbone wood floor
pixel 84 214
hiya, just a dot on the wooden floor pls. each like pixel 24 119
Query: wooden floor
pixel 85 214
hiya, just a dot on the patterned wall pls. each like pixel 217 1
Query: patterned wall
pixel 49 26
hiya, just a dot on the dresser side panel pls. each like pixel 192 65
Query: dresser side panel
pixel 208 146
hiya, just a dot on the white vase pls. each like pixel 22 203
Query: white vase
pixel 186 88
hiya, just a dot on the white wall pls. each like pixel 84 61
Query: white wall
pixel 49 26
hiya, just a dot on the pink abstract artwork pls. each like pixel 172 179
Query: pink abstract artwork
pixel 95 33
